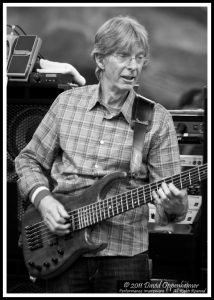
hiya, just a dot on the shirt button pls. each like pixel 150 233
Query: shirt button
pixel 101 142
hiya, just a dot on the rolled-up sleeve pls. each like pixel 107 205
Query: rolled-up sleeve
pixel 164 156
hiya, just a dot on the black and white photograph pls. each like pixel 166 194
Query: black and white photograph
pixel 106 136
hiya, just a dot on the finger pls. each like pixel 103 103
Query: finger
pixel 56 226
pixel 58 213
pixel 165 200
pixel 156 198
pixel 173 189
pixel 49 224
pixel 62 212
pixel 166 190
pixel 162 195
pixel 61 231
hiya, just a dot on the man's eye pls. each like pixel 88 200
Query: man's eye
pixel 140 57
pixel 123 54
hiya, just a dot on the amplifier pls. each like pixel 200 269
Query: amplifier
pixel 188 122
pixel 51 79
pixel 191 160
pixel 189 125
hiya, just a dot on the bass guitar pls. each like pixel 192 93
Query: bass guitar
pixel 46 255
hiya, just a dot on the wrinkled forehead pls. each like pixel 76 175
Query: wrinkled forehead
pixel 132 48
pixel 131 44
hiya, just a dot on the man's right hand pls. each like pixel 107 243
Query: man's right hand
pixel 54 215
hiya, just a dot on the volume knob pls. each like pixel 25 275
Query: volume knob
pixel 60 251
pixel 46 264
pixel 55 260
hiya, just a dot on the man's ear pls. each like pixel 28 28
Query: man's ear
pixel 100 61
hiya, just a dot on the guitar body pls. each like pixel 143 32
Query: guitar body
pixel 46 255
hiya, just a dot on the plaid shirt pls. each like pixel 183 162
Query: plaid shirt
pixel 80 141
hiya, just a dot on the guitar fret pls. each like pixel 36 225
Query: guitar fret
pixel 112 206
pixel 144 196
pixel 82 217
pixel 121 200
pixel 156 186
pixel 100 210
pixel 199 176
pixel 82 220
pixel 78 220
pixel 90 219
pixel 78 212
pixel 117 206
pixel 73 225
pixel 120 205
pixel 96 214
pixel 181 182
pixel 150 191
pixel 132 198
pixel 104 212
pixel 86 216
pixel 108 207
pixel 92 213
pixel 138 197
pixel 190 179
pixel 127 205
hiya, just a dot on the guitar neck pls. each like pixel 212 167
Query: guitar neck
pixel 110 207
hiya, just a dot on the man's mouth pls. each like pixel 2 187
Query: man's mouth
pixel 128 78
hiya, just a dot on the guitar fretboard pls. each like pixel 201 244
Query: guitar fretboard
pixel 110 207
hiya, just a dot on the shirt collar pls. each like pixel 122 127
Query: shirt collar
pixel 126 108
pixel 94 98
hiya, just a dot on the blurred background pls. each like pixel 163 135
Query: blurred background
pixel 177 35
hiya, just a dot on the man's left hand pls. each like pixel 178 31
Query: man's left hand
pixel 173 200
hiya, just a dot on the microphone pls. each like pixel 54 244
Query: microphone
pixel 48 66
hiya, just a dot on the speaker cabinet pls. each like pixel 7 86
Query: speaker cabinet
pixel 26 106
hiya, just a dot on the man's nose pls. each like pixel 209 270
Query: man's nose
pixel 132 62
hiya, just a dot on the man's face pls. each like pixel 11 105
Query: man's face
pixel 122 69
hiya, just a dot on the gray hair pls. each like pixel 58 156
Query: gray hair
pixel 117 34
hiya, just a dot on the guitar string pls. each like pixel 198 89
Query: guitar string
pixel 97 218
pixel 133 190
pixel 54 237
pixel 104 202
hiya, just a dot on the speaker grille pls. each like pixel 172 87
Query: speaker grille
pixel 22 121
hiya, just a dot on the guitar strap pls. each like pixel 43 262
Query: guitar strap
pixel 142 114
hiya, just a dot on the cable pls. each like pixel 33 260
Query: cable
pixel 21 29
pixel 13 28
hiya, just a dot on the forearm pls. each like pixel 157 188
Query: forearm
pixel 30 172
pixel 163 162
